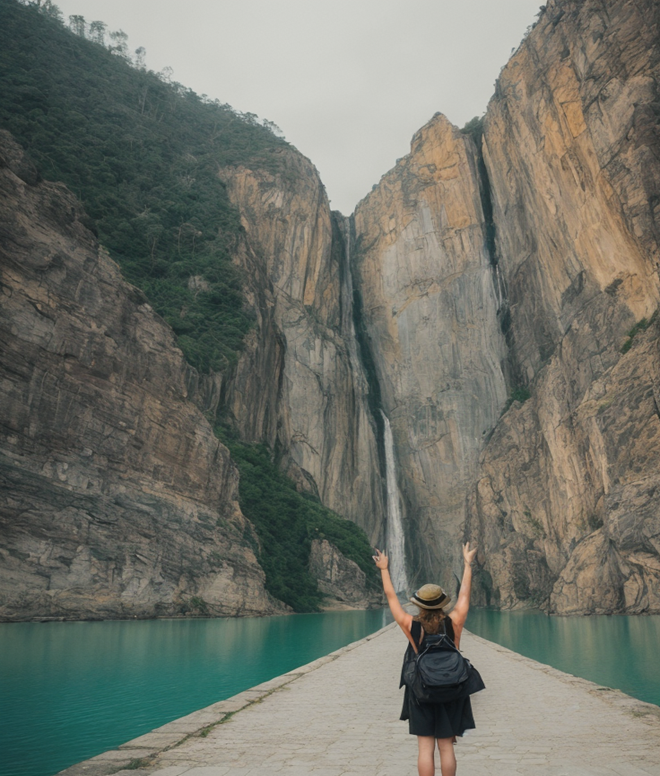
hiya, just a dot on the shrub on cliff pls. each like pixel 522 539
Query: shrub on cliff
pixel 475 129
pixel 519 394
pixel 286 523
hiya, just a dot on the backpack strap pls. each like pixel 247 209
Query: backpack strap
pixel 411 639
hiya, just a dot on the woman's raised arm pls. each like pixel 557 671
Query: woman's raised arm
pixel 402 617
pixel 460 612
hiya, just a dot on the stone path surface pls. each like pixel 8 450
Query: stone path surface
pixel 339 716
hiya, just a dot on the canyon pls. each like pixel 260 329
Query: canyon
pixel 478 342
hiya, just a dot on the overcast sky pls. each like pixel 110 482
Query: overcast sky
pixel 348 81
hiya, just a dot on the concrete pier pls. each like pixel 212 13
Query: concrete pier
pixel 339 716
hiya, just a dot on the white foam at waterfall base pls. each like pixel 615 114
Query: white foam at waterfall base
pixel 395 537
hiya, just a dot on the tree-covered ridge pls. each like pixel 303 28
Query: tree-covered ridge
pixel 143 155
pixel 286 523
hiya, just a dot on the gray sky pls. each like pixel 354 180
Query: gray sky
pixel 348 81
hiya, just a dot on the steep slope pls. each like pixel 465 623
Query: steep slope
pixel 117 498
pixel 142 155
pixel 430 316
pixel 566 509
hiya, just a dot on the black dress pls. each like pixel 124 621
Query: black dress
pixel 440 720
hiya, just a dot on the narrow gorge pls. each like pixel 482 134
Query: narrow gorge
pixel 471 355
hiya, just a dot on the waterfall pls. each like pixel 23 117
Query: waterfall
pixel 347 320
pixel 359 355
pixel 395 538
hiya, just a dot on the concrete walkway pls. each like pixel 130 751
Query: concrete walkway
pixel 339 716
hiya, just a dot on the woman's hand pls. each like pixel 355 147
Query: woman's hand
pixel 401 617
pixel 380 559
pixel 460 612
pixel 468 554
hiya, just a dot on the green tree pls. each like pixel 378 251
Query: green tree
pixel 140 54
pixel 97 32
pixel 77 25
pixel 119 44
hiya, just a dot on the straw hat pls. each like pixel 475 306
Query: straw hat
pixel 430 597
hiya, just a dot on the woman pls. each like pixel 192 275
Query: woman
pixel 432 722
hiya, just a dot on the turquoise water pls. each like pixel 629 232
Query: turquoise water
pixel 71 690
pixel 614 651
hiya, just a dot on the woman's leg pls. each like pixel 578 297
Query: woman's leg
pixel 447 756
pixel 425 758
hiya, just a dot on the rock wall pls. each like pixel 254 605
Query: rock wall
pixel 300 386
pixel 566 508
pixel 527 265
pixel 429 310
pixel 342 580
pixel 117 500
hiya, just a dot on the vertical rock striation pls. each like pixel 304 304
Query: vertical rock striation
pixel 117 499
pixel 429 312
pixel 299 386
pixel 566 507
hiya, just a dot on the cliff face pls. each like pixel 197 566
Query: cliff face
pixel 430 317
pixel 117 499
pixel 342 580
pixel 566 507
pixel 299 386
pixel 525 267
pixel 565 502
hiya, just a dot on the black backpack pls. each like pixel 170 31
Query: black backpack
pixel 439 672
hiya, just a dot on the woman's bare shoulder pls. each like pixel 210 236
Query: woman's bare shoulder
pixel 406 621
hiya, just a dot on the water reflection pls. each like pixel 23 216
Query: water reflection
pixel 72 690
pixel 616 651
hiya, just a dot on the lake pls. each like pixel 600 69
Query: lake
pixel 613 650
pixel 72 690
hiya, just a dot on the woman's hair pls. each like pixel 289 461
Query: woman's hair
pixel 431 620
